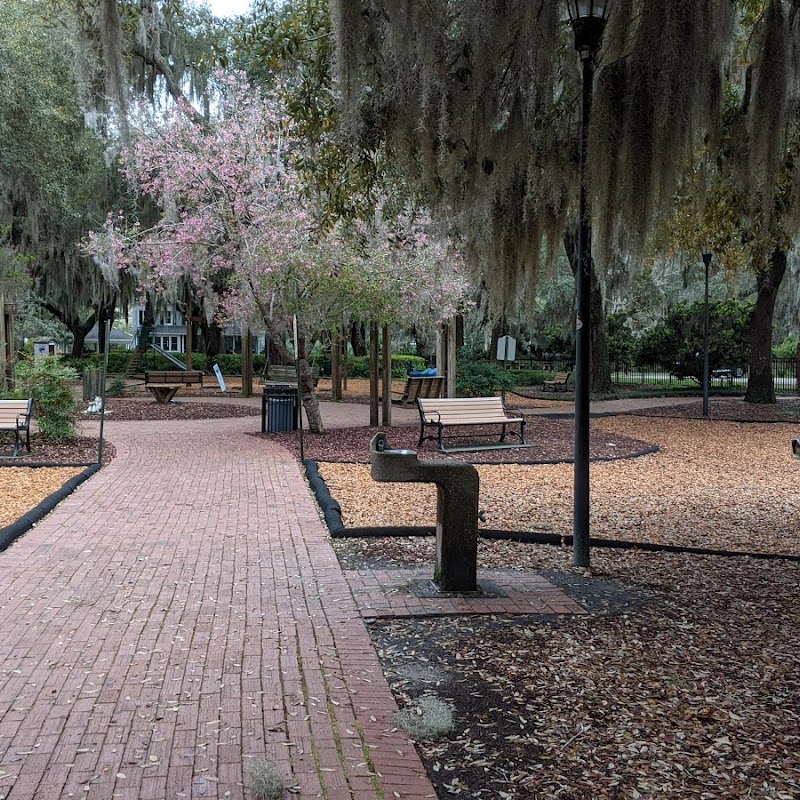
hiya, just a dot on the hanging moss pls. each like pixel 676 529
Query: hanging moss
pixel 479 101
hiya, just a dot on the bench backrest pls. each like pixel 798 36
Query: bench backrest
pixel 456 410
pixel 277 372
pixel 561 377
pixel 423 387
pixel 173 376
pixel 10 410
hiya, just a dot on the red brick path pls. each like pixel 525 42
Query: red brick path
pixel 180 616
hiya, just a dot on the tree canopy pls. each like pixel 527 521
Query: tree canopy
pixel 237 227
pixel 55 181
pixel 478 102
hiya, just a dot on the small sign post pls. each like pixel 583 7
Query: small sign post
pixel 506 351
pixel 220 379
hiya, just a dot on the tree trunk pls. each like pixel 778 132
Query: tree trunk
pixel 374 389
pixel 104 314
pixel 310 399
pixel 761 383
pixel 213 342
pixel 77 328
pixel 499 328
pixel 600 378
pixel 601 367
pixel 797 369
pixel 336 366
pixel 358 338
pixel 247 364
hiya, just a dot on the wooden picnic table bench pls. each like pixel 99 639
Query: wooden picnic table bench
pixel 164 384
pixel 421 386
pixel 557 383
pixel 446 412
pixel 15 416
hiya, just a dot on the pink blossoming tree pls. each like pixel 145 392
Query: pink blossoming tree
pixel 237 227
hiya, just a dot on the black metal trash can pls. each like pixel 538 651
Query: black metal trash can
pixel 279 408
pixel 280 414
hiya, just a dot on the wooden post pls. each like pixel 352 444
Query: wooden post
pixel 247 364
pixel 451 358
pixel 344 357
pixel 187 319
pixel 3 347
pixel 387 376
pixel 336 366
pixel 11 344
pixel 441 354
pixel 373 374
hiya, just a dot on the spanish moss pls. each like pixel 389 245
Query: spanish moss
pixel 479 100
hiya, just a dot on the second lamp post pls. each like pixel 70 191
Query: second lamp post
pixel 706 364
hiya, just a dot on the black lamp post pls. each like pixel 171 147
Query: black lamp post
pixel 588 19
pixel 706 370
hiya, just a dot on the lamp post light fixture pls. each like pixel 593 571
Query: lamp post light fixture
pixel 707 255
pixel 588 19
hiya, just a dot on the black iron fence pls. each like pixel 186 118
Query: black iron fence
pixel 784 372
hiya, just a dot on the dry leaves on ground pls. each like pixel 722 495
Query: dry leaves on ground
pixel 23 488
pixel 720 485
pixel 688 689
pixel 683 679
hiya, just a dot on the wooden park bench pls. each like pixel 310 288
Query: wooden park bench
pixel 164 384
pixel 447 412
pixel 421 387
pixel 15 416
pixel 278 373
pixel 558 382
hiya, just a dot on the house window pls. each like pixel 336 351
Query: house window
pixel 140 316
pixel 174 344
pixel 168 316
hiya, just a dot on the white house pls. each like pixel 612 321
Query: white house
pixel 119 340
pixel 169 331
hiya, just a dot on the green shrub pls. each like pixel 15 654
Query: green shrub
pixel 481 379
pixel 358 366
pixel 527 377
pixel 229 363
pixel 402 364
pixel 46 380
pixel 118 361
pixel 787 348
pixel 80 365
pixel 116 388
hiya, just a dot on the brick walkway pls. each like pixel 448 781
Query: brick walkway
pixel 183 615
pixel 406 593
pixel 177 618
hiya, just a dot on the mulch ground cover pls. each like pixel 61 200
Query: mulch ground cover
pixel 684 678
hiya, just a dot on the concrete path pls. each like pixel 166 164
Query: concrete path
pixel 181 617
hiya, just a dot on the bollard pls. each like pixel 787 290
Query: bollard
pixel 457 487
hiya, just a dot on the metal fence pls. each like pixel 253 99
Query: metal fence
pixel 784 371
